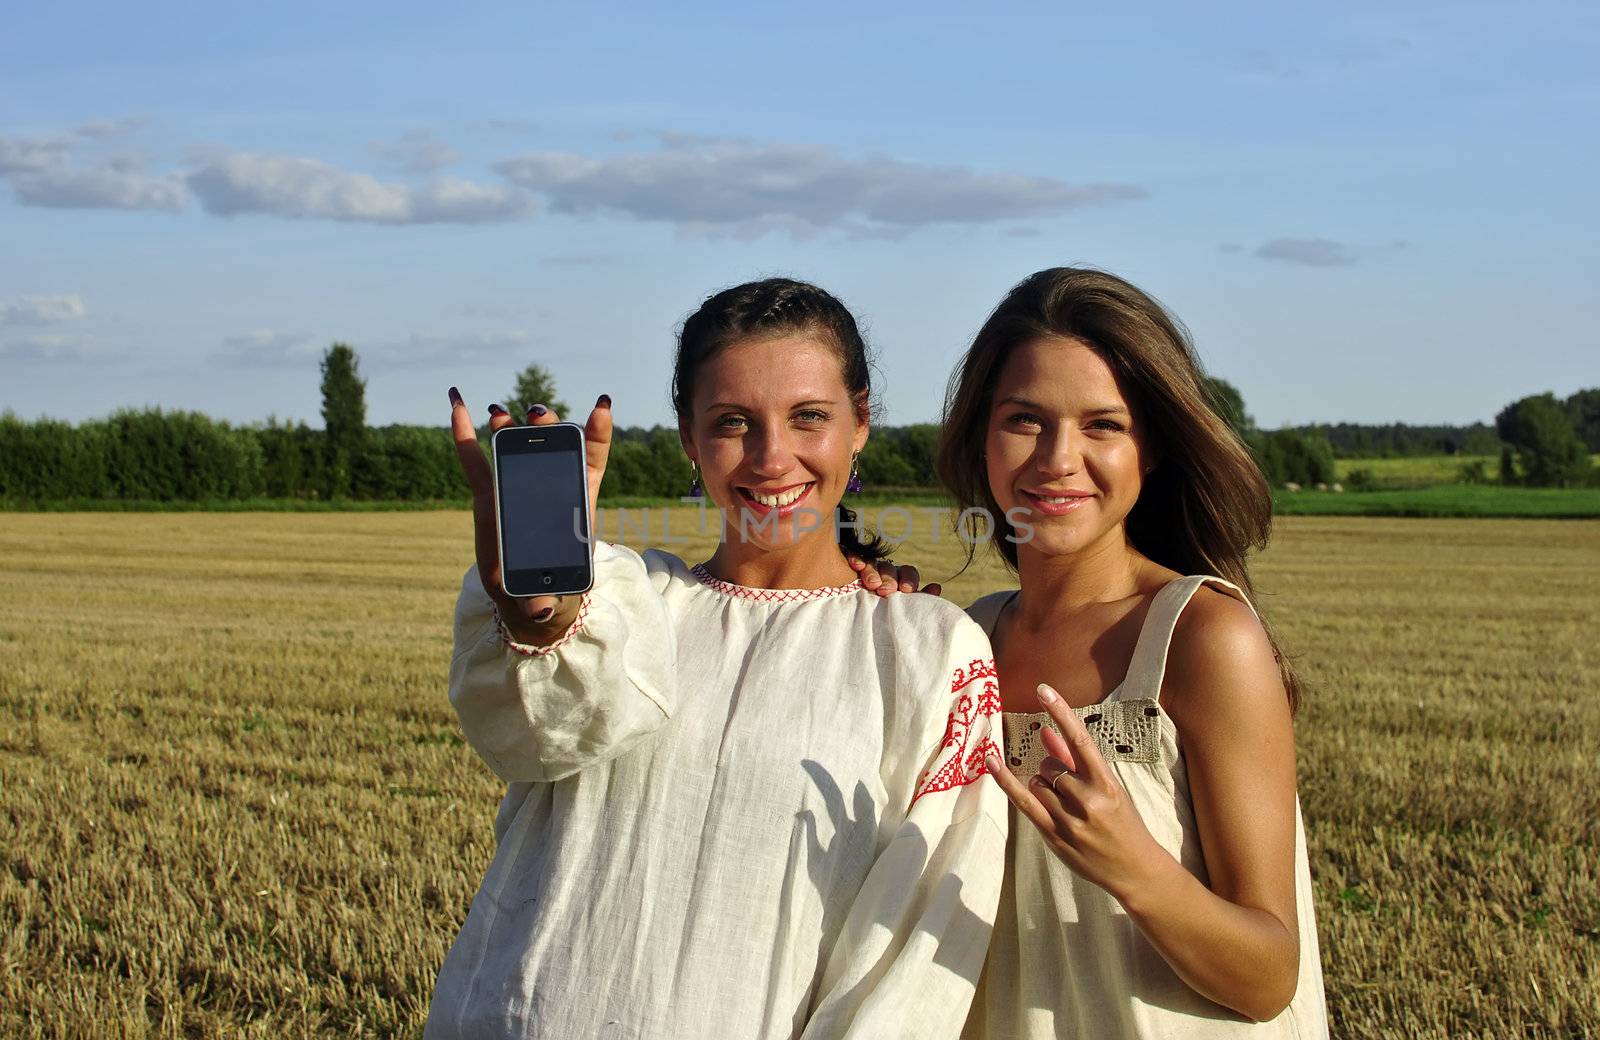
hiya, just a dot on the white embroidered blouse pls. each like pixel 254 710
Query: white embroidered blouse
pixel 731 812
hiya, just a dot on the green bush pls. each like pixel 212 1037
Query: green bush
pixel 1549 451
pixel 1360 480
pixel 1295 456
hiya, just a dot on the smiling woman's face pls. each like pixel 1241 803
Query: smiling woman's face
pixel 1064 444
pixel 773 430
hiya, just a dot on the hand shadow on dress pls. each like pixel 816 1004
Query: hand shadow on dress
pixel 906 845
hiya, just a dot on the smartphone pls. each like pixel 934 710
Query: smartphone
pixel 541 495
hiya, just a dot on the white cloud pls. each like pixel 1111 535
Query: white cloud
pixel 701 183
pixel 115 185
pixel 41 310
pixel 268 348
pixel 30 154
pixel 1308 252
pixel 416 151
pixel 286 186
pixel 431 349
pixel 101 129
pixel 48 348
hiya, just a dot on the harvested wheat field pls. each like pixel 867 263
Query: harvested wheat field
pixel 236 802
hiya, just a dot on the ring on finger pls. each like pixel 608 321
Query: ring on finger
pixel 1054 780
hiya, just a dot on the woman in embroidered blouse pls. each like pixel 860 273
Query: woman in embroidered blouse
pixel 1157 882
pixel 741 797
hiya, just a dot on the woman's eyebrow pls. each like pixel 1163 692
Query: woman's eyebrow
pixel 1091 413
pixel 715 405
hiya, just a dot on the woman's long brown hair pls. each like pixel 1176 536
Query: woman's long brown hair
pixel 1203 509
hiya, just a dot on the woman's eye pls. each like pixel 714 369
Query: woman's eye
pixel 811 415
pixel 1026 419
pixel 730 422
pixel 1106 424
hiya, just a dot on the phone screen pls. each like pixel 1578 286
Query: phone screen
pixel 543 520
pixel 543 504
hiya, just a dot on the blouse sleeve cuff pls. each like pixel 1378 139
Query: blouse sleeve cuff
pixel 528 650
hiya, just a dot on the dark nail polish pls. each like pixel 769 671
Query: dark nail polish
pixel 544 615
pixel 455 397
pixel 495 409
pixel 604 401
pixel 537 410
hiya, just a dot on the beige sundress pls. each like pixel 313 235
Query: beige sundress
pixel 1066 960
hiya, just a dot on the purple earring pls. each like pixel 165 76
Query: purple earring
pixel 854 486
pixel 694 481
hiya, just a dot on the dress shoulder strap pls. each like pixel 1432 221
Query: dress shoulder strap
pixel 1149 665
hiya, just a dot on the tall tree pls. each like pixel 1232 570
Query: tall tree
pixel 1583 408
pixel 535 385
pixel 344 416
pixel 1549 451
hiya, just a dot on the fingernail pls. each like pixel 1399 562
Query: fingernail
pixel 991 763
pixel 455 397
pixel 495 409
pixel 537 410
pixel 544 615
pixel 604 401
pixel 1046 694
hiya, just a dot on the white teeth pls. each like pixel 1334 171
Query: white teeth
pixel 782 498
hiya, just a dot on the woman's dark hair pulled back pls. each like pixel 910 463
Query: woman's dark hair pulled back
pixel 780 307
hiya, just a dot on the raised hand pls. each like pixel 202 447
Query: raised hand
pixel 885 578
pixel 537 619
pixel 1079 805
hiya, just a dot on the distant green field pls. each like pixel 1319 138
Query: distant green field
pixel 1465 500
pixel 1419 471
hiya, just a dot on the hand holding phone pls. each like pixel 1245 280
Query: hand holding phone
pixel 539 619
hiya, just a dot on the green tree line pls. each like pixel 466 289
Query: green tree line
pixel 178 456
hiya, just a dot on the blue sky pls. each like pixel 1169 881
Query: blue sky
pixel 1364 212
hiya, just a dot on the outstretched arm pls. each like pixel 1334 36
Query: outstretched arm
pixel 547 687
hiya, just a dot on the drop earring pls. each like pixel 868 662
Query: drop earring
pixel 854 484
pixel 695 490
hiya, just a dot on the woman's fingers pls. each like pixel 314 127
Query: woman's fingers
pixel 1085 759
pixel 1065 787
pixel 480 480
pixel 908 578
pixel 1019 794
pixel 933 588
pixel 474 464
pixel 871 575
pixel 1055 744
pixel 597 446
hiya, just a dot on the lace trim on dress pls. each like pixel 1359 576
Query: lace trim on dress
pixel 728 588
pixel 1124 731
pixel 527 650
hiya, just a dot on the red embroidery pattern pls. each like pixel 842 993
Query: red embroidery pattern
pixel 540 651
pixel 770 595
pixel 961 757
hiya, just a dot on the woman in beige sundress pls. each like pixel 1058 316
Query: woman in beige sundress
pixel 1156 878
